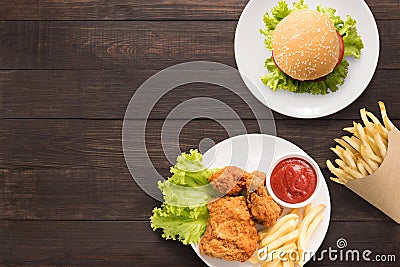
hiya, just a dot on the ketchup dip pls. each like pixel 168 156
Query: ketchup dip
pixel 293 180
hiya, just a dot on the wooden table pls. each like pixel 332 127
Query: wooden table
pixel 68 71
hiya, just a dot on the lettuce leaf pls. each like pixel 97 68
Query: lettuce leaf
pixel 347 29
pixel 352 41
pixel 276 79
pixel 180 223
pixel 299 5
pixel 183 215
pixel 330 12
pixel 279 12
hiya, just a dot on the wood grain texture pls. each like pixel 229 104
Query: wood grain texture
pixel 73 194
pixel 105 94
pixel 135 45
pixel 111 194
pixel 27 144
pixel 146 10
pixel 129 243
pixel 75 170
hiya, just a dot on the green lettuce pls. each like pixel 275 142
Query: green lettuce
pixel 183 215
pixel 347 29
pixel 276 79
pixel 279 12
pixel 180 223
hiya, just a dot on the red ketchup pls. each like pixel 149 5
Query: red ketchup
pixel 293 180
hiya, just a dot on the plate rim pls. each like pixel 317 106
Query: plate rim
pixel 287 142
pixel 268 104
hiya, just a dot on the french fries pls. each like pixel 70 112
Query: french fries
pixel 305 226
pixel 361 154
pixel 284 243
pixel 290 226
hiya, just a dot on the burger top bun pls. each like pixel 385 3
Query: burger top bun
pixel 305 45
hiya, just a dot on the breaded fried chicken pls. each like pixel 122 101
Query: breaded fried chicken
pixel 230 180
pixel 254 181
pixel 231 233
pixel 263 208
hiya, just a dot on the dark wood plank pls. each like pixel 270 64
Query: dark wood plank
pixel 135 44
pixel 65 142
pixel 101 94
pixel 111 45
pixel 73 194
pixel 123 10
pixel 144 10
pixel 106 94
pixel 97 143
pixel 126 243
pixel 112 194
pixel 88 244
pixel 75 169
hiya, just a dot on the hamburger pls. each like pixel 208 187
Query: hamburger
pixel 309 48
pixel 306 45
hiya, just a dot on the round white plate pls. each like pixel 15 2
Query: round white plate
pixel 259 155
pixel 251 53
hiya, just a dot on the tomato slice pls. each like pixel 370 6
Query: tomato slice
pixel 341 47
pixel 273 58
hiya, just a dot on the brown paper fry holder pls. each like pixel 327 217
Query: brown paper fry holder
pixel 382 188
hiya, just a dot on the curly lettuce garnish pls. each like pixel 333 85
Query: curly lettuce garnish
pixel 347 29
pixel 276 79
pixel 183 215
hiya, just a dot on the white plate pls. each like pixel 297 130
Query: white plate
pixel 256 152
pixel 251 53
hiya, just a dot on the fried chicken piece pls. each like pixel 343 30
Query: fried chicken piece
pixel 230 180
pixel 262 207
pixel 231 233
pixel 255 180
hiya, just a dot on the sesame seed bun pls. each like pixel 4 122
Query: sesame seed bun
pixel 305 45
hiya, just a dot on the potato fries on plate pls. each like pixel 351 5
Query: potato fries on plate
pixel 285 243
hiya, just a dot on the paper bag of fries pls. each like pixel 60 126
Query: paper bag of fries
pixel 369 161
